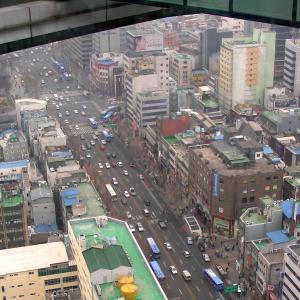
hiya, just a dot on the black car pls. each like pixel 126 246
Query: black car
pixel 113 155
pixel 124 201
pixel 147 202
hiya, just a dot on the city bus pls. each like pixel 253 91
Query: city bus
pixel 157 270
pixel 93 123
pixel 111 191
pixel 213 279
pixel 107 136
pixel 155 253
pixel 110 109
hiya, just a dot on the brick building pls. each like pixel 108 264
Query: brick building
pixel 224 182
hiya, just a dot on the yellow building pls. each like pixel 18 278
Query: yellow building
pixel 29 273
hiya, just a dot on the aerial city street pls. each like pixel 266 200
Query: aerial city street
pixel 154 161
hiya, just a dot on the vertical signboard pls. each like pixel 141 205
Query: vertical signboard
pixel 215 184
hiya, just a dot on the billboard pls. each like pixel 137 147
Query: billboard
pixel 148 42
pixel 216 184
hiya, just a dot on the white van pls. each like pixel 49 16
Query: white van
pixel 186 275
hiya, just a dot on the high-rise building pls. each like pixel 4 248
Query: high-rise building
pixel 79 50
pixel 246 68
pixel 291 72
pixel 106 41
pixel 291 271
pixel 150 106
pixel 13 216
pixel 210 43
pixel 181 69
pixel 282 34
pixel 144 70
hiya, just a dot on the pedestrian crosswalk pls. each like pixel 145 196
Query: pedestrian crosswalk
pixel 83 130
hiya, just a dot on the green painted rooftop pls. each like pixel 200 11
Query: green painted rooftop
pixel 147 287
pixel 171 139
pixel 294 182
pixel 90 198
pixel 11 201
pixel 209 103
pixel 182 56
pixel 261 243
pixel 271 116
pixel 108 258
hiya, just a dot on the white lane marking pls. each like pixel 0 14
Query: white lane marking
pixel 180 291
pixel 198 289
pixel 210 295
pixel 193 268
pixel 180 261
pixel 172 277
pixel 220 296
pixel 164 264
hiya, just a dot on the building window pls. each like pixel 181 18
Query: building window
pixel 70 279
pixel 52 281
pixel 3 289
pixel 244 200
pixel 252 198
pixel 268 178
pixel 275 177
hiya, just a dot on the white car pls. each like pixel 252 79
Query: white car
pixel 43 81
pixel 76 127
pixel 125 172
pixel 55 96
pixel 60 115
pixel 103 142
pixel 84 106
pixel 186 254
pixel 107 165
pixel 131 227
pixel 66 122
pixel 189 240
pixel 47 99
pixel 60 104
pixel 88 155
pixel 206 257
pixel 120 164
pixel 126 194
pixel 128 215
pixel 141 176
pixel 44 68
pixel 173 270
pixel 67 113
pixel 100 165
pixel 168 246
pixel 115 181
pixel 67 87
pixel 93 143
pixel 68 99
pixel 61 97
pixel 75 111
pixel 140 226
pixel 83 113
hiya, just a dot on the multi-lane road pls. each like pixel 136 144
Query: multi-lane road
pixel 174 285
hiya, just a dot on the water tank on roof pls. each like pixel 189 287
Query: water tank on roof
pixel 129 291
pixel 124 280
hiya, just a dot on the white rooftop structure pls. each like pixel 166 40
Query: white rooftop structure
pixel 35 257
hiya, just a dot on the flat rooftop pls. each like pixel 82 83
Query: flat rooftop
pixel 216 162
pixel 275 257
pixel 148 289
pixel 32 257
pixel 261 243
pixel 90 199
pixel 296 249
pixel 10 201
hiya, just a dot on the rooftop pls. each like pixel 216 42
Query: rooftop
pixel 296 249
pixel 275 257
pixel 216 162
pixel 261 243
pixel 181 56
pixel 109 258
pixel 171 139
pixel 90 198
pixel 271 116
pixel 209 103
pixel 148 288
pixel 14 164
pixel 10 201
pixel 32 257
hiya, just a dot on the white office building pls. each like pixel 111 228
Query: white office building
pixel 291 274
pixel 291 74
